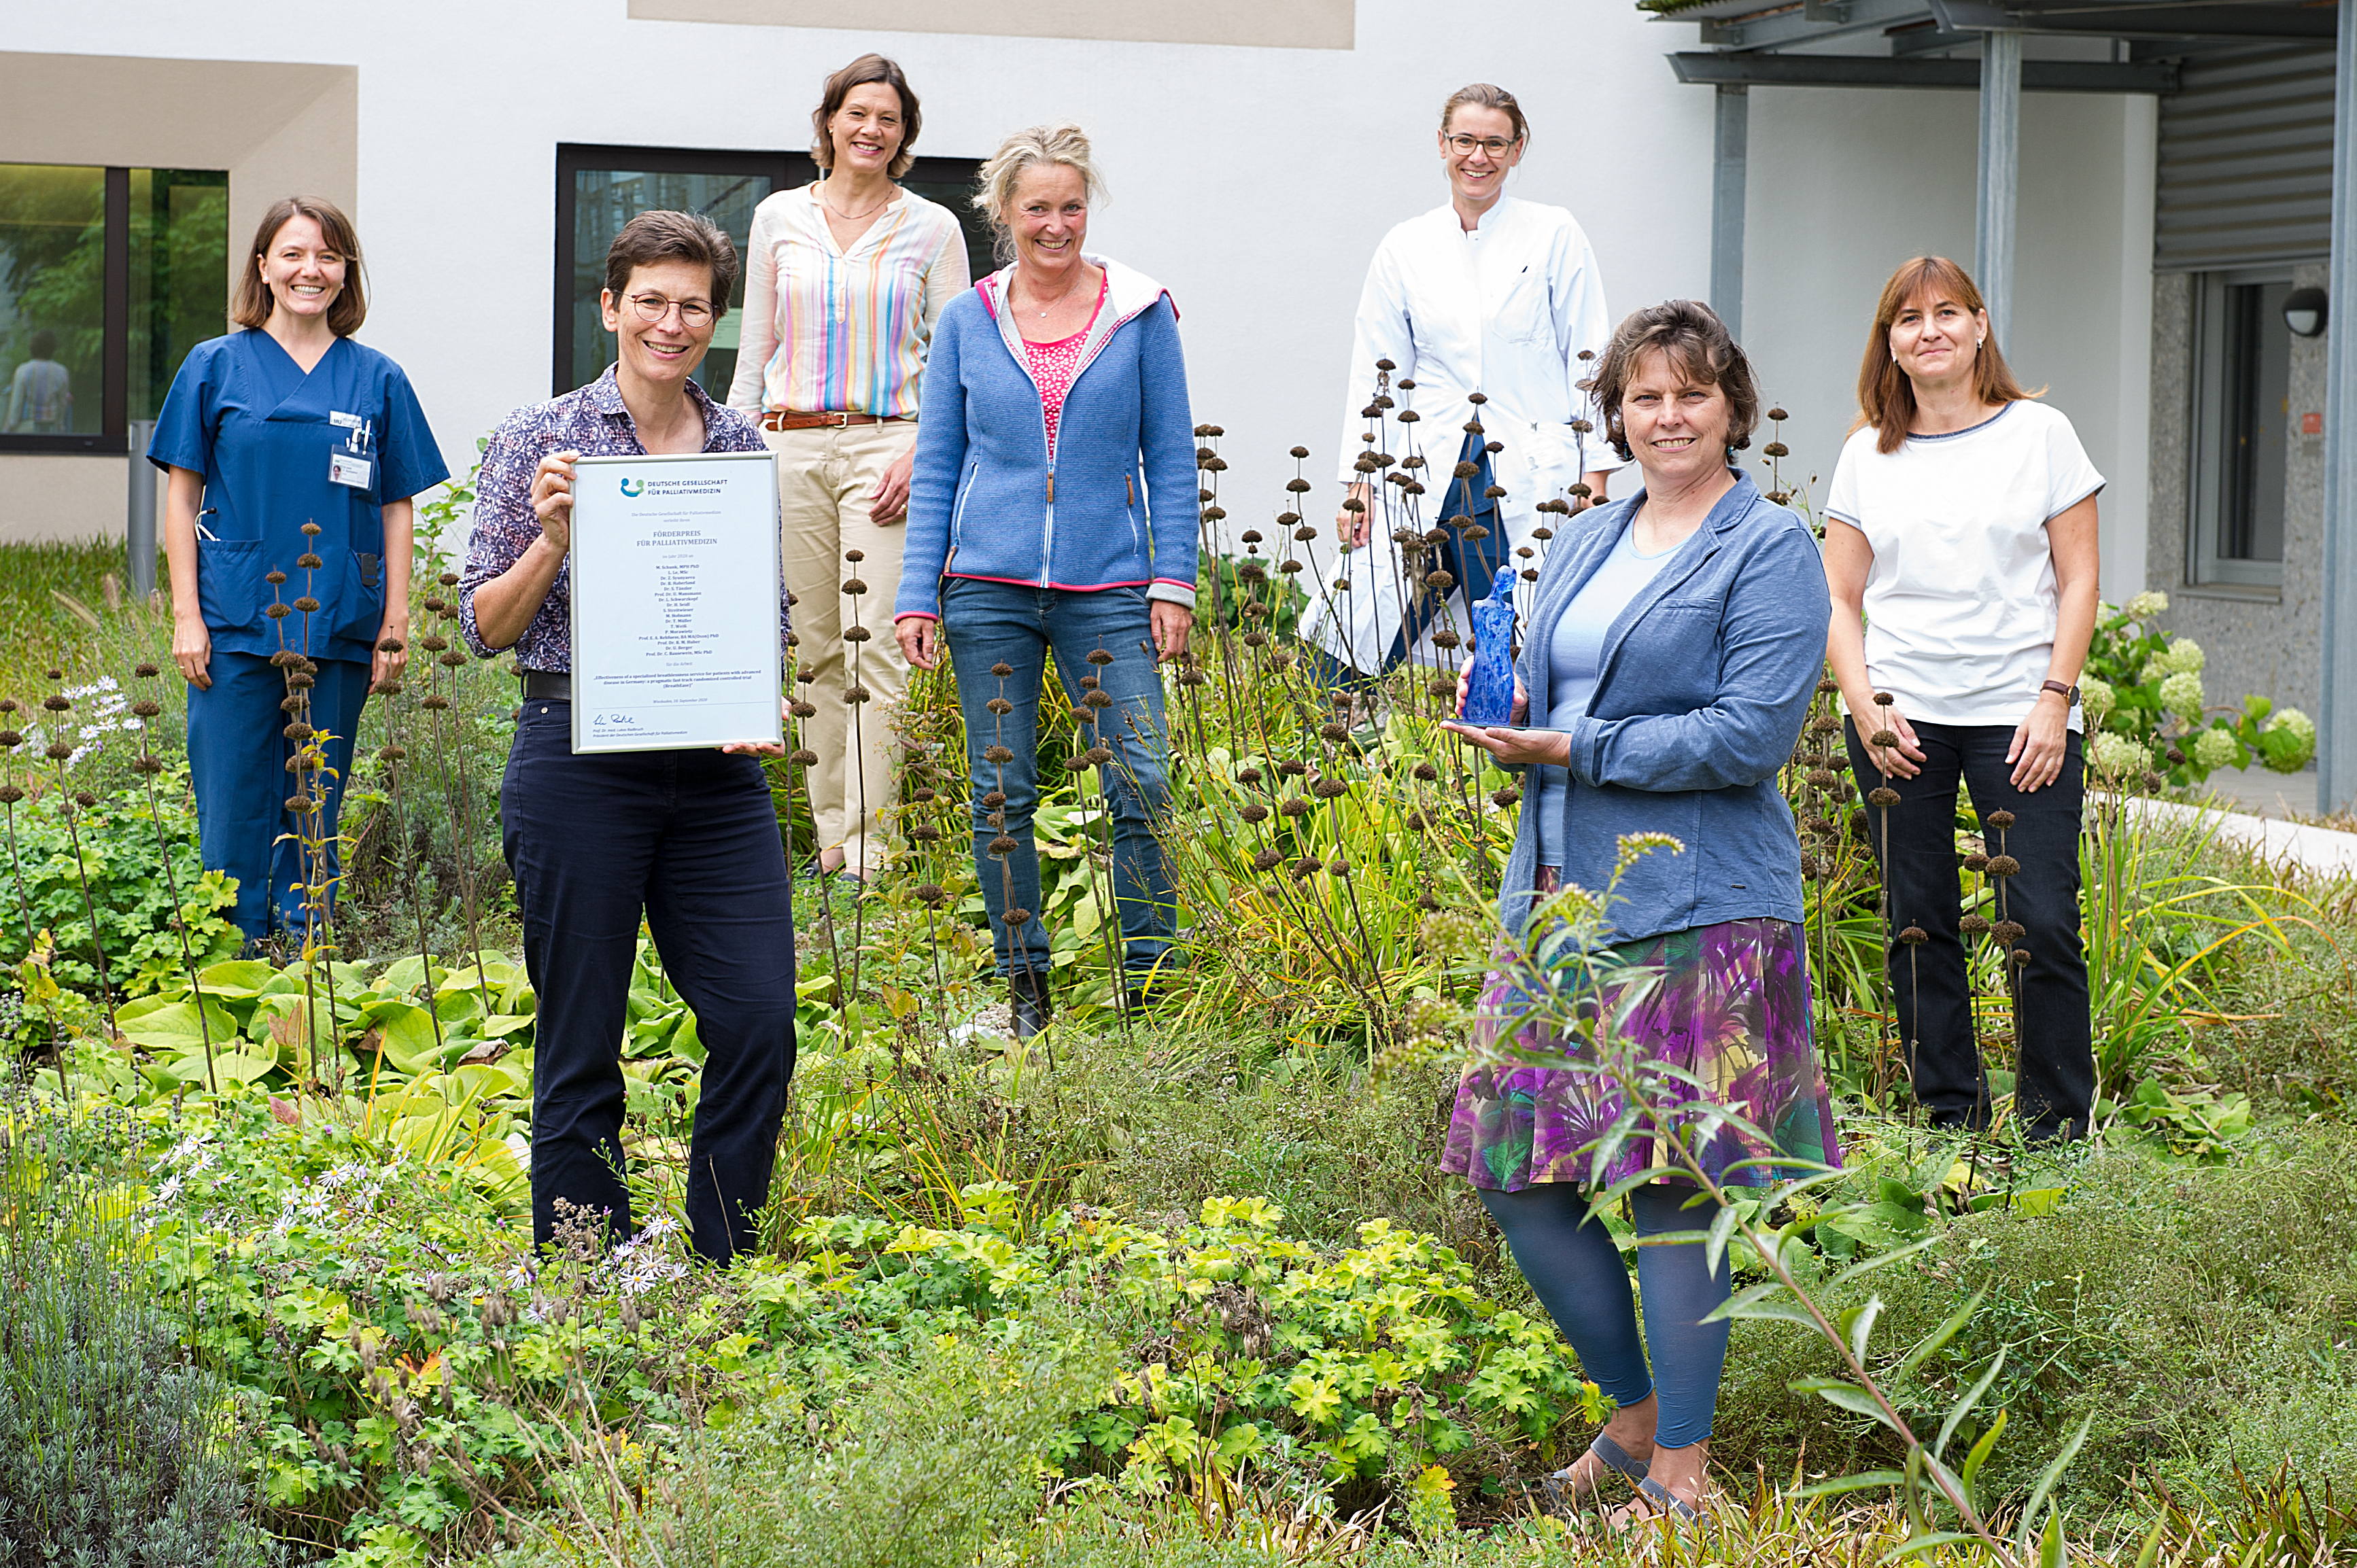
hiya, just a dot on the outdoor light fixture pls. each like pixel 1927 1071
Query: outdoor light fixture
pixel 2304 312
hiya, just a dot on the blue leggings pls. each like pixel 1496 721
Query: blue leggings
pixel 1576 1272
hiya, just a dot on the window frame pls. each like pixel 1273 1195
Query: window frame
pixel 786 171
pixel 113 436
pixel 2207 460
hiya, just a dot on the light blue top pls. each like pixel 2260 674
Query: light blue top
pixel 1573 655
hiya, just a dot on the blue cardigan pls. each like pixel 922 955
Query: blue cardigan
pixel 1115 505
pixel 1702 688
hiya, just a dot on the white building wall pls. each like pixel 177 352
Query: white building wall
pixel 1254 182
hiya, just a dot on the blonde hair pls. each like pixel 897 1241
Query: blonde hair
pixel 1061 143
pixel 1485 95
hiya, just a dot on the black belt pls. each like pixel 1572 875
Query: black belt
pixel 547 685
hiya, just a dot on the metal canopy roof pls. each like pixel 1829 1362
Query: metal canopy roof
pixel 1903 31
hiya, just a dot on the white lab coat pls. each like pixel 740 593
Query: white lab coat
pixel 1504 310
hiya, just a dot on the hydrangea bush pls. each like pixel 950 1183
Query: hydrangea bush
pixel 2148 711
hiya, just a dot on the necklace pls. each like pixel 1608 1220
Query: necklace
pixel 853 217
pixel 1077 277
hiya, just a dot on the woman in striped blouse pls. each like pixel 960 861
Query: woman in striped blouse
pixel 846 277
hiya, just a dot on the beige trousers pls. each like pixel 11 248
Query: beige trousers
pixel 826 479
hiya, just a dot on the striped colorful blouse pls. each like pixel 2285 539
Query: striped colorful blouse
pixel 826 330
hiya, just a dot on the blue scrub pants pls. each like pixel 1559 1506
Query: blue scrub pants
pixel 1474 563
pixel 1575 1269
pixel 689 839
pixel 238 763
pixel 986 624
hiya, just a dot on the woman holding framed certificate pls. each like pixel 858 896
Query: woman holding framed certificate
pixel 1053 512
pixel 846 278
pixel 685 840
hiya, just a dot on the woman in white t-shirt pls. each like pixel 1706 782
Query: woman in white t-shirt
pixel 1961 558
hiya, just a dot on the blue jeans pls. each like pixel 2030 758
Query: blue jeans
pixel 987 624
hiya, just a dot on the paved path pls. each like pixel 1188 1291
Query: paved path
pixel 2319 850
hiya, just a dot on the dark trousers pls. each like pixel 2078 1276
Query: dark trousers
pixel 238 757
pixel 1473 563
pixel 2054 1083
pixel 690 839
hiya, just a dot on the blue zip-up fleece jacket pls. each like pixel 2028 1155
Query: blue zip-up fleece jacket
pixel 1112 506
pixel 1701 691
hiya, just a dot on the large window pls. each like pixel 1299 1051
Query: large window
pixel 2242 377
pixel 599 190
pixel 108 276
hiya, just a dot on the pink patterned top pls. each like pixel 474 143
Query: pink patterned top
pixel 1054 365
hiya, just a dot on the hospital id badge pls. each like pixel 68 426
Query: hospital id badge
pixel 343 469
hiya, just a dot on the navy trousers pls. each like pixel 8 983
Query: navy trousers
pixel 688 840
pixel 238 764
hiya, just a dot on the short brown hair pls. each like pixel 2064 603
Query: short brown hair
pixel 1483 95
pixel 1698 344
pixel 867 67
pixel 252 303
pixel 1886 396
pixel 658 235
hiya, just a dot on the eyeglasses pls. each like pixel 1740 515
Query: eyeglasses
pixel 693 314
pixel 1465 146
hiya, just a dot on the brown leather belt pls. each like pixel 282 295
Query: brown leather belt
pixel 787 419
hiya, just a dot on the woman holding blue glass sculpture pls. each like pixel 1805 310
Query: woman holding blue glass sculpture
pixel 1674 641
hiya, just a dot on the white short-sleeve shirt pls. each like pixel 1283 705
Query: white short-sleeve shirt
pixel 1961 602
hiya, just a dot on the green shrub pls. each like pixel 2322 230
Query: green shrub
pixel 113 1451
pixel 126 882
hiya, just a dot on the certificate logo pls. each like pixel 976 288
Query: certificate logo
pixel 631 487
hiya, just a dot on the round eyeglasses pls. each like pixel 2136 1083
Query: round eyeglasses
pixel 693 314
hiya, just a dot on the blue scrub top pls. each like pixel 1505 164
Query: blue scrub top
pixel 243 414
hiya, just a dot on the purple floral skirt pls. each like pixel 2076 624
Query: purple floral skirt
pixel 1730 1006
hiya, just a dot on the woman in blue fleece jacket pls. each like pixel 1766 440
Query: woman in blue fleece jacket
pixel 1052 511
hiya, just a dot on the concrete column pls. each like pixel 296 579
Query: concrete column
pixel 1730 153
pixel 2336 751
pixel 2000 177
pixel 139 533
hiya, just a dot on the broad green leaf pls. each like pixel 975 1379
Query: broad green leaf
pixel 1722 1226
pixel 2049 1550
pixel 179 1026
pixel 405 1033
pixel 505 1023
pixel 238 978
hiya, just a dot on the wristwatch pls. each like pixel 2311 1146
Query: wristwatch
pixel 2069 694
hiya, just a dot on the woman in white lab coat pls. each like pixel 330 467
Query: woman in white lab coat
pixel 1486 295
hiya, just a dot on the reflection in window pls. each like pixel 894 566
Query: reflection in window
pixel 147 250
pixel 52 299
pixel 180 274
pixel 605 200
pixel 2243 412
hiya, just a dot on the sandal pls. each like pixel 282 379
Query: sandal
pixel 1561 1493
pixel 1663 1503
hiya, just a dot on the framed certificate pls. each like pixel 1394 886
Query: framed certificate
pixel 675 601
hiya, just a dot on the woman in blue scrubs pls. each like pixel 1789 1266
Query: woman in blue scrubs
pixel 286 422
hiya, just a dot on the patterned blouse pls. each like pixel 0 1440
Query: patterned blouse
pixel 594 423
pixel 829 330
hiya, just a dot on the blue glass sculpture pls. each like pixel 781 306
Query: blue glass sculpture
pixel 1490 690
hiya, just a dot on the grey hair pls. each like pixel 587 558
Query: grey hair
pixel 1061 143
